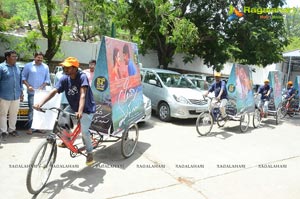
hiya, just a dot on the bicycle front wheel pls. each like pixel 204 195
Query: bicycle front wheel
pixel 204 123
pixel 256 118
pixel 244 122
pixel 40 166
pixel 129 140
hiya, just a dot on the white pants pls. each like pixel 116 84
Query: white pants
pixel 11 108
pixel 264 105
pixel 223 107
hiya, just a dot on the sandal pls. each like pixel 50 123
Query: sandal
pixel 29 132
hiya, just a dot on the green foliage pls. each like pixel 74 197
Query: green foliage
pixel 90 19
pixel 201 28
pixel 27 45
pixel 292 25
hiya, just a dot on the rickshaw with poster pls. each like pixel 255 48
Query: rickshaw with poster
pixel 292 107
pixel 239 105
pixel 240 97
pixel 274 104
pixel 117 91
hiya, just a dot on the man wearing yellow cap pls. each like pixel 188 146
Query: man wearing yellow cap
pixel 291 91
pixel 219 88
pixel 265 92
pixel 75 84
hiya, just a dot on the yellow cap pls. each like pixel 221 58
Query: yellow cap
pixel 217 74
pixel 290 83
pixel 70 61
pixel 266 81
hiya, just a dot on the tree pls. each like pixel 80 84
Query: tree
pixel 292 24
pixel 52 24
pixel 90 19
pixel 201 28
pixel 152 24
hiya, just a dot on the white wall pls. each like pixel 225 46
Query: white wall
pixel 83 51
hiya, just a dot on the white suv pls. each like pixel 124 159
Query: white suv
pixel 172 94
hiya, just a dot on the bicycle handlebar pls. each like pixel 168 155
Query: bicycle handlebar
pixel 41 109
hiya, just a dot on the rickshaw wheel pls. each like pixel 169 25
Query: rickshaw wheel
pixel 256 118
pixel 244 122
pixel 220 121
pixel 129 140
pixel 204 123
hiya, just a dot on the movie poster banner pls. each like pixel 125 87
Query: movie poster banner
pixel 297 85
pixel 275 79
pixel 117 87
pixel 239 87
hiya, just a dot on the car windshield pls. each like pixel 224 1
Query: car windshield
pixel 202 84
pixel 175 80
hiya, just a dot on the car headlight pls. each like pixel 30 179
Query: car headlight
pixel 181 99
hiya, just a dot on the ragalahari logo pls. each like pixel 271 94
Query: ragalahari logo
pixel 234 13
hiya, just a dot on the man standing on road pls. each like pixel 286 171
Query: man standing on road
pixel 90 72
pixel 35 76
pixel 80 97
pixel 10 93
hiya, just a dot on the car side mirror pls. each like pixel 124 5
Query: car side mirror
pixel 153 82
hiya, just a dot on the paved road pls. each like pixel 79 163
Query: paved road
pixel 171 161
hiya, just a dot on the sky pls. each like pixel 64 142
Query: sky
pixel 293 3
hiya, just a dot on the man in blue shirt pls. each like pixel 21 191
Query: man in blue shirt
pixel 76 86
pixel 10 93
pixel 291 91
pixel 35 76
pixel 265 92
pixel 128 61
pixel 219 87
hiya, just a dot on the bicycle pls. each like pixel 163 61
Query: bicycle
pixel 289 107
pixel 205 120
pixel 44 157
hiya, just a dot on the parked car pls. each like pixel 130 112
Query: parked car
pixel 201 84
pixel 172 94
pixel 148 109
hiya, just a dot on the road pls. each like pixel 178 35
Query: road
pixel 171 161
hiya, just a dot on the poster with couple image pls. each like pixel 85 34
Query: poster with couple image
pixel 275 83
pixel 117 87
pixel 239 87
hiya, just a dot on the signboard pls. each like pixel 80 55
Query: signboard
pixel 117 87
pixel 275 78
pixel 239 87
pixel 45 121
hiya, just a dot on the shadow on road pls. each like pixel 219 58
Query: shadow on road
pixel 89 178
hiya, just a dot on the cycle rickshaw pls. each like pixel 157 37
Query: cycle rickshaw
pixel 275 103
pixel 239 106
pixel 206 120
pixel 119 106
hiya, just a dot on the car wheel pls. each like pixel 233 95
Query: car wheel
pixel 164 112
